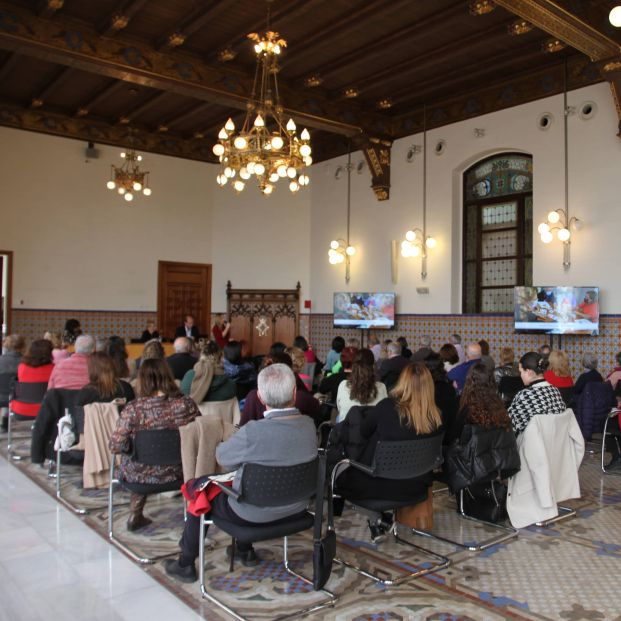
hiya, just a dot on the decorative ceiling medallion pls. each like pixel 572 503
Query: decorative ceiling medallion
pixel 351 93
pixel 552 46
pixel 313 80
pixel 118 22
pixel 123 120
pixel 36 103
pixel 612 66
pixel 481 7
pixel 55 5
pixel 384 104
pixel 162 128
pixel 82 112
pixel 519 27
pixel 199 135
pixel 176 39
pixel 263 327
pixel 226 54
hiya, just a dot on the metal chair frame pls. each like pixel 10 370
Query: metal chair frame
pixel 144 560
pixel 564 513
pixel 614 412
pixel 378 470
pixel 332 598
pixel 10 438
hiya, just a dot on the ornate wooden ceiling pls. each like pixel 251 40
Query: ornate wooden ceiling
pixel 355 72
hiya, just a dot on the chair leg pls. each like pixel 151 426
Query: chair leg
pixel 616 439
pixel 9 447
pixel 563 514
pixel 59 496
pixel 507 532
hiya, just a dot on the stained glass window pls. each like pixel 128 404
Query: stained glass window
pixel 498 230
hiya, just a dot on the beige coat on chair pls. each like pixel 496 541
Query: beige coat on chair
pixel 551 450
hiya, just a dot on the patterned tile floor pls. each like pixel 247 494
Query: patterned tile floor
pixel 568 573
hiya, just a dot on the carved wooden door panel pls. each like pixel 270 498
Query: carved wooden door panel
pixel 183 289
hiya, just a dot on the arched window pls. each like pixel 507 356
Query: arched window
pixel 498 232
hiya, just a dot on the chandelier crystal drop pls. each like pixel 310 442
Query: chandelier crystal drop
pixel 128 180
pixel 266 147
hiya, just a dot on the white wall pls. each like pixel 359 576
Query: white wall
pixel 595 159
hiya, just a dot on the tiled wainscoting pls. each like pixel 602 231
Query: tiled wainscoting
pixel 318 328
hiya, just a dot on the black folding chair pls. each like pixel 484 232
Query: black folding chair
pixel 612 433
pixel 25 392
pixel 153 447
pixel 6 388
pixel 269 486
pixel 399 460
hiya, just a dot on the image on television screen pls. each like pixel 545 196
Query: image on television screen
pixel 557 310
pixel 364 310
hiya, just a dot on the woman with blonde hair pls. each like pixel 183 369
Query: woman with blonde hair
pixel 558 373
pixel 409 413
pixel 299 365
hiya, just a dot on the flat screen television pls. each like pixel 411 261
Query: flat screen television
pixel 557 310
pixel 364 310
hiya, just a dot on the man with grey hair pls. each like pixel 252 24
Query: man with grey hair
pixel 423 350
pixel 284 437
pixel 182 360
pixel 391 368
pixel 458 374
pixel 455 341
pixel 72 373
pixel 591 374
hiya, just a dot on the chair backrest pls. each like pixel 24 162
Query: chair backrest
pixel 407 459
pixel 30 392
pixel 274 486
pixel 6 386
pixel 157 447
pixel 568 395
pixel 77 413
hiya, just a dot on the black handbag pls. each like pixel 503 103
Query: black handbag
pixel 324 548
pixel 486 501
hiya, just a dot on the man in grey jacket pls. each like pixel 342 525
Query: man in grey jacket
pixel 284 437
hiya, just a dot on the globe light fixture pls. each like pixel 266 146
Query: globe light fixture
pixel 615 17
pixel 128 180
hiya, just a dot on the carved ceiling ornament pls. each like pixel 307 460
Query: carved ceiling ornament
pixel 481 7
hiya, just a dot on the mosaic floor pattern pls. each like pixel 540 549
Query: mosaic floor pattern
pixel 568 572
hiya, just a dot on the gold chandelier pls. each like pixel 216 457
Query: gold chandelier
pixel 128 179
pixel 269 153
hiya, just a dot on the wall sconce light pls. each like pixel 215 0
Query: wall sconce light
pixel 341 250
pixel 559 219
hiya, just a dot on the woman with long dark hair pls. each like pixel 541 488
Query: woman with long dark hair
pixel 360 388
pixel 160 405
pixel 104 384
pixel 115 348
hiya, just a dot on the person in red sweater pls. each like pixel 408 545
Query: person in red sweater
pixel 221 331
pixel 36 366
pixel 558 373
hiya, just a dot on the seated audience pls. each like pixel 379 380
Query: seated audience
pixel 182 360
pixel 221 331
pixel 125 368
pixel 424 349
pixel 539 396
pixel 391 368
pixel 589 362
pixel 615 375
pixel 301 343
pixel 374 346
pixel 445 394
pixel 188 329
pixel 479 404
pixel 254 408
pixel 36 366
pixel 282 438
pixel 150 332
pixel 408 414
pixel 13 348
pixel 207 381
pixel 242 373
pixel 486 359
pixel 558 373
pixel 360 387
pixel 455 340
pixel 334 355
pixel 508 367
pixel 105 384
pixel 59 351
pixel 449 355
pixel 406 352
pixel 159 405
pixel 460 372
pixel 299 366
pixel 353 343
pixel 330 385
pixel 72 331
pixel 72 373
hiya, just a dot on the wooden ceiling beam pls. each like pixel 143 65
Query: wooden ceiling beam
pixel 358 56
pixel 179 34
pixel 120 17
pixel 102 95
pixel 149 104
pixel 175 71
pixel 556 21
pixel 59 78
pixel 8 65
pixel 189 114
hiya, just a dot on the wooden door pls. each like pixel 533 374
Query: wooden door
pixel 183 289
pixel 6 302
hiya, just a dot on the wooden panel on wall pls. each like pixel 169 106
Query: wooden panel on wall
pixel 263 316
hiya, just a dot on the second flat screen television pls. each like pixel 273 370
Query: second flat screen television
pixel 557 310
pixel 364 310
